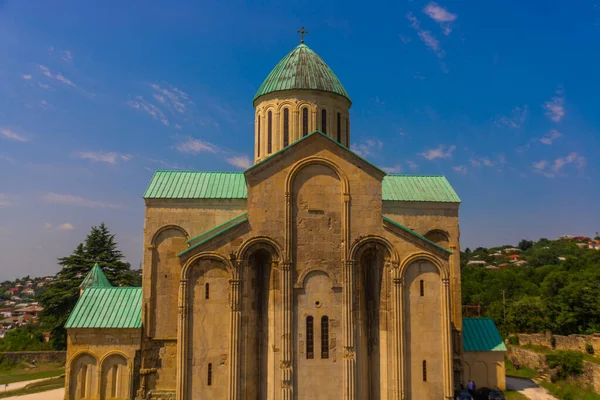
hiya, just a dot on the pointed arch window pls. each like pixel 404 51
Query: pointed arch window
pixel 304 121
pixel 286 127
pixel 324 121
pixel 339 128
pixel 258 138
pixel 310 337
pixel 270 132
pixel 325 337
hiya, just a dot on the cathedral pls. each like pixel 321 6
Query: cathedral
pixel 312 275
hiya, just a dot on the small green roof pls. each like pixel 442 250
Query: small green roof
pixel 434 188
pixel 301 68
pixel 107 307
pixel 95 278
pixel 481 334
pixel 406 229
pixel 214 232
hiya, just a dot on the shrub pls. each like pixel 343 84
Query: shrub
pixel 567 363
pixel 514 340
pixel 553 341
pixel 589 348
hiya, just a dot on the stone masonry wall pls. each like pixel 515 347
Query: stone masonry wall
pixel 571 342
pixel 35 356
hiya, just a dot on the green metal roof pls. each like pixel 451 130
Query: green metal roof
pixel 418 188
pixel 95 278
pixel 214 232
pixel 406 229
pixel 107 307
pixel 481 334
pixel 301 68
pixel 197 185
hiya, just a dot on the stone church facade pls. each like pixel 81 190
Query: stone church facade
pixel 311 275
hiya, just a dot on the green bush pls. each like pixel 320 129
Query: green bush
pixel 567 363
pixel 589 348
pixel 514 340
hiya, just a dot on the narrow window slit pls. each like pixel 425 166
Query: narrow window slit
pixel 310 345
pixel 325 337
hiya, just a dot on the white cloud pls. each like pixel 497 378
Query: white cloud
pixel 441 16
pixel 172 97
pixel 517 118
pixel 67 56
pixel 195 146
pixel 426 36
pixel 555 108
pixel 367 147
pixel 396 169
pixel 98 156
pixel 461 169
pixel 48 226
pixel 149 108
pixel 439 152
pixel 4 200
pixel 10 134
pixel 43 85
pixel 550 137
pixel 65 227
pixel 240 161
pixel 412 164
pixel 58 77
pixel 74 200
pixel 556 168
pixel 26 77
pixel 4 157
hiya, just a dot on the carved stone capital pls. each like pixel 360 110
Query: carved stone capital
pixel 285 265
pixel 348 353
pixel 446 281
pixel 398 281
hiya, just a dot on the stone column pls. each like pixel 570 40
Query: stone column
pixel 286 331
pixel 447 339
pixel 182 337
pixel 349 356
pixel 398 358
pixel 234 336
pixel 295 127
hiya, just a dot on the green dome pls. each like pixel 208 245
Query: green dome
pixel 302 68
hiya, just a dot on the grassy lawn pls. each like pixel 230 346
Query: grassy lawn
pixel 512 395
pixel 36 387
pixel 522 372
pixel 566 391
pixel 20 372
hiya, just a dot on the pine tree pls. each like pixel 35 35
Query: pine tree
pixel 62 294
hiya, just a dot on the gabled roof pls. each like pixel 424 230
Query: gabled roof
pixel 435 188
pixel 481 334
pixel 107 307
pixel 214 232
pixel 95 278
pixel 301 69
pixel 197 185
pixel 416 234
pixel 313 133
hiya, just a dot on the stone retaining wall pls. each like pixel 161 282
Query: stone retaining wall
pixel 570 342
pixel 35 356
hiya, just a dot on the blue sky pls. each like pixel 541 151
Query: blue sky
pixel 499 96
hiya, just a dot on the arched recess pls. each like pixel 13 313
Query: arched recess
pixel 305 272
pixel 115 378
pixel 479 375
pixel 206 327
pixel 439 236
pixel 374 328
pixel 83 376
pixel 466 372
pixel 423 328
pixel 167 242
pixel 259 257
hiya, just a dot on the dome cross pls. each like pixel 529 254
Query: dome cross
pixel 302 32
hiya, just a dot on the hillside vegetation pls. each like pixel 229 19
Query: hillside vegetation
pixel 550 285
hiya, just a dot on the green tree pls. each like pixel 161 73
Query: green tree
pixel 525 245
pixel 62 294
pixel 29 337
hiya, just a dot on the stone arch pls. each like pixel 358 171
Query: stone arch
pixel 260 242
pixel 364 242
pixel 210 256
pixel 83 375
pixel 480 373
pixel 165 228
pixel 286 103
pixel 439 236
pixel 115 376
pixel 307 271
pixel 442 269
pixel 316 160
pixel 466 371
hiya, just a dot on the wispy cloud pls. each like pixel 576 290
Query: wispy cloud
pixel 479 161
pixel 412 164
pixel 140 104
pixel 195 146
pixel 26 77
pixel 240 161
pixel 555 108
pixel 66 55
pixel 426 36
pixel 461 169
pixel 516 119
pixel 550 137
pixel 4 157
pixel 67 226
pixel 171 97
pixel 396 169
pixel 98 156
pixel 405 39
pixel 12 135
pixel 441 16
pixel 74 200
pixel 4 200
pixel 43 85
pixel 367 147
pixel 440 152
pixel 551 170
pixel 58 77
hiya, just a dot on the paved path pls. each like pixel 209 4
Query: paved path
pixel 56 394
pixel 528 388
pixel 19 385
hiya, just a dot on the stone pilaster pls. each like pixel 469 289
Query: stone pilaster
pixel 182 333
pixel 286 331
pixel 234 340
pixel 398 348
pixel 348 327
pixel 447 339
